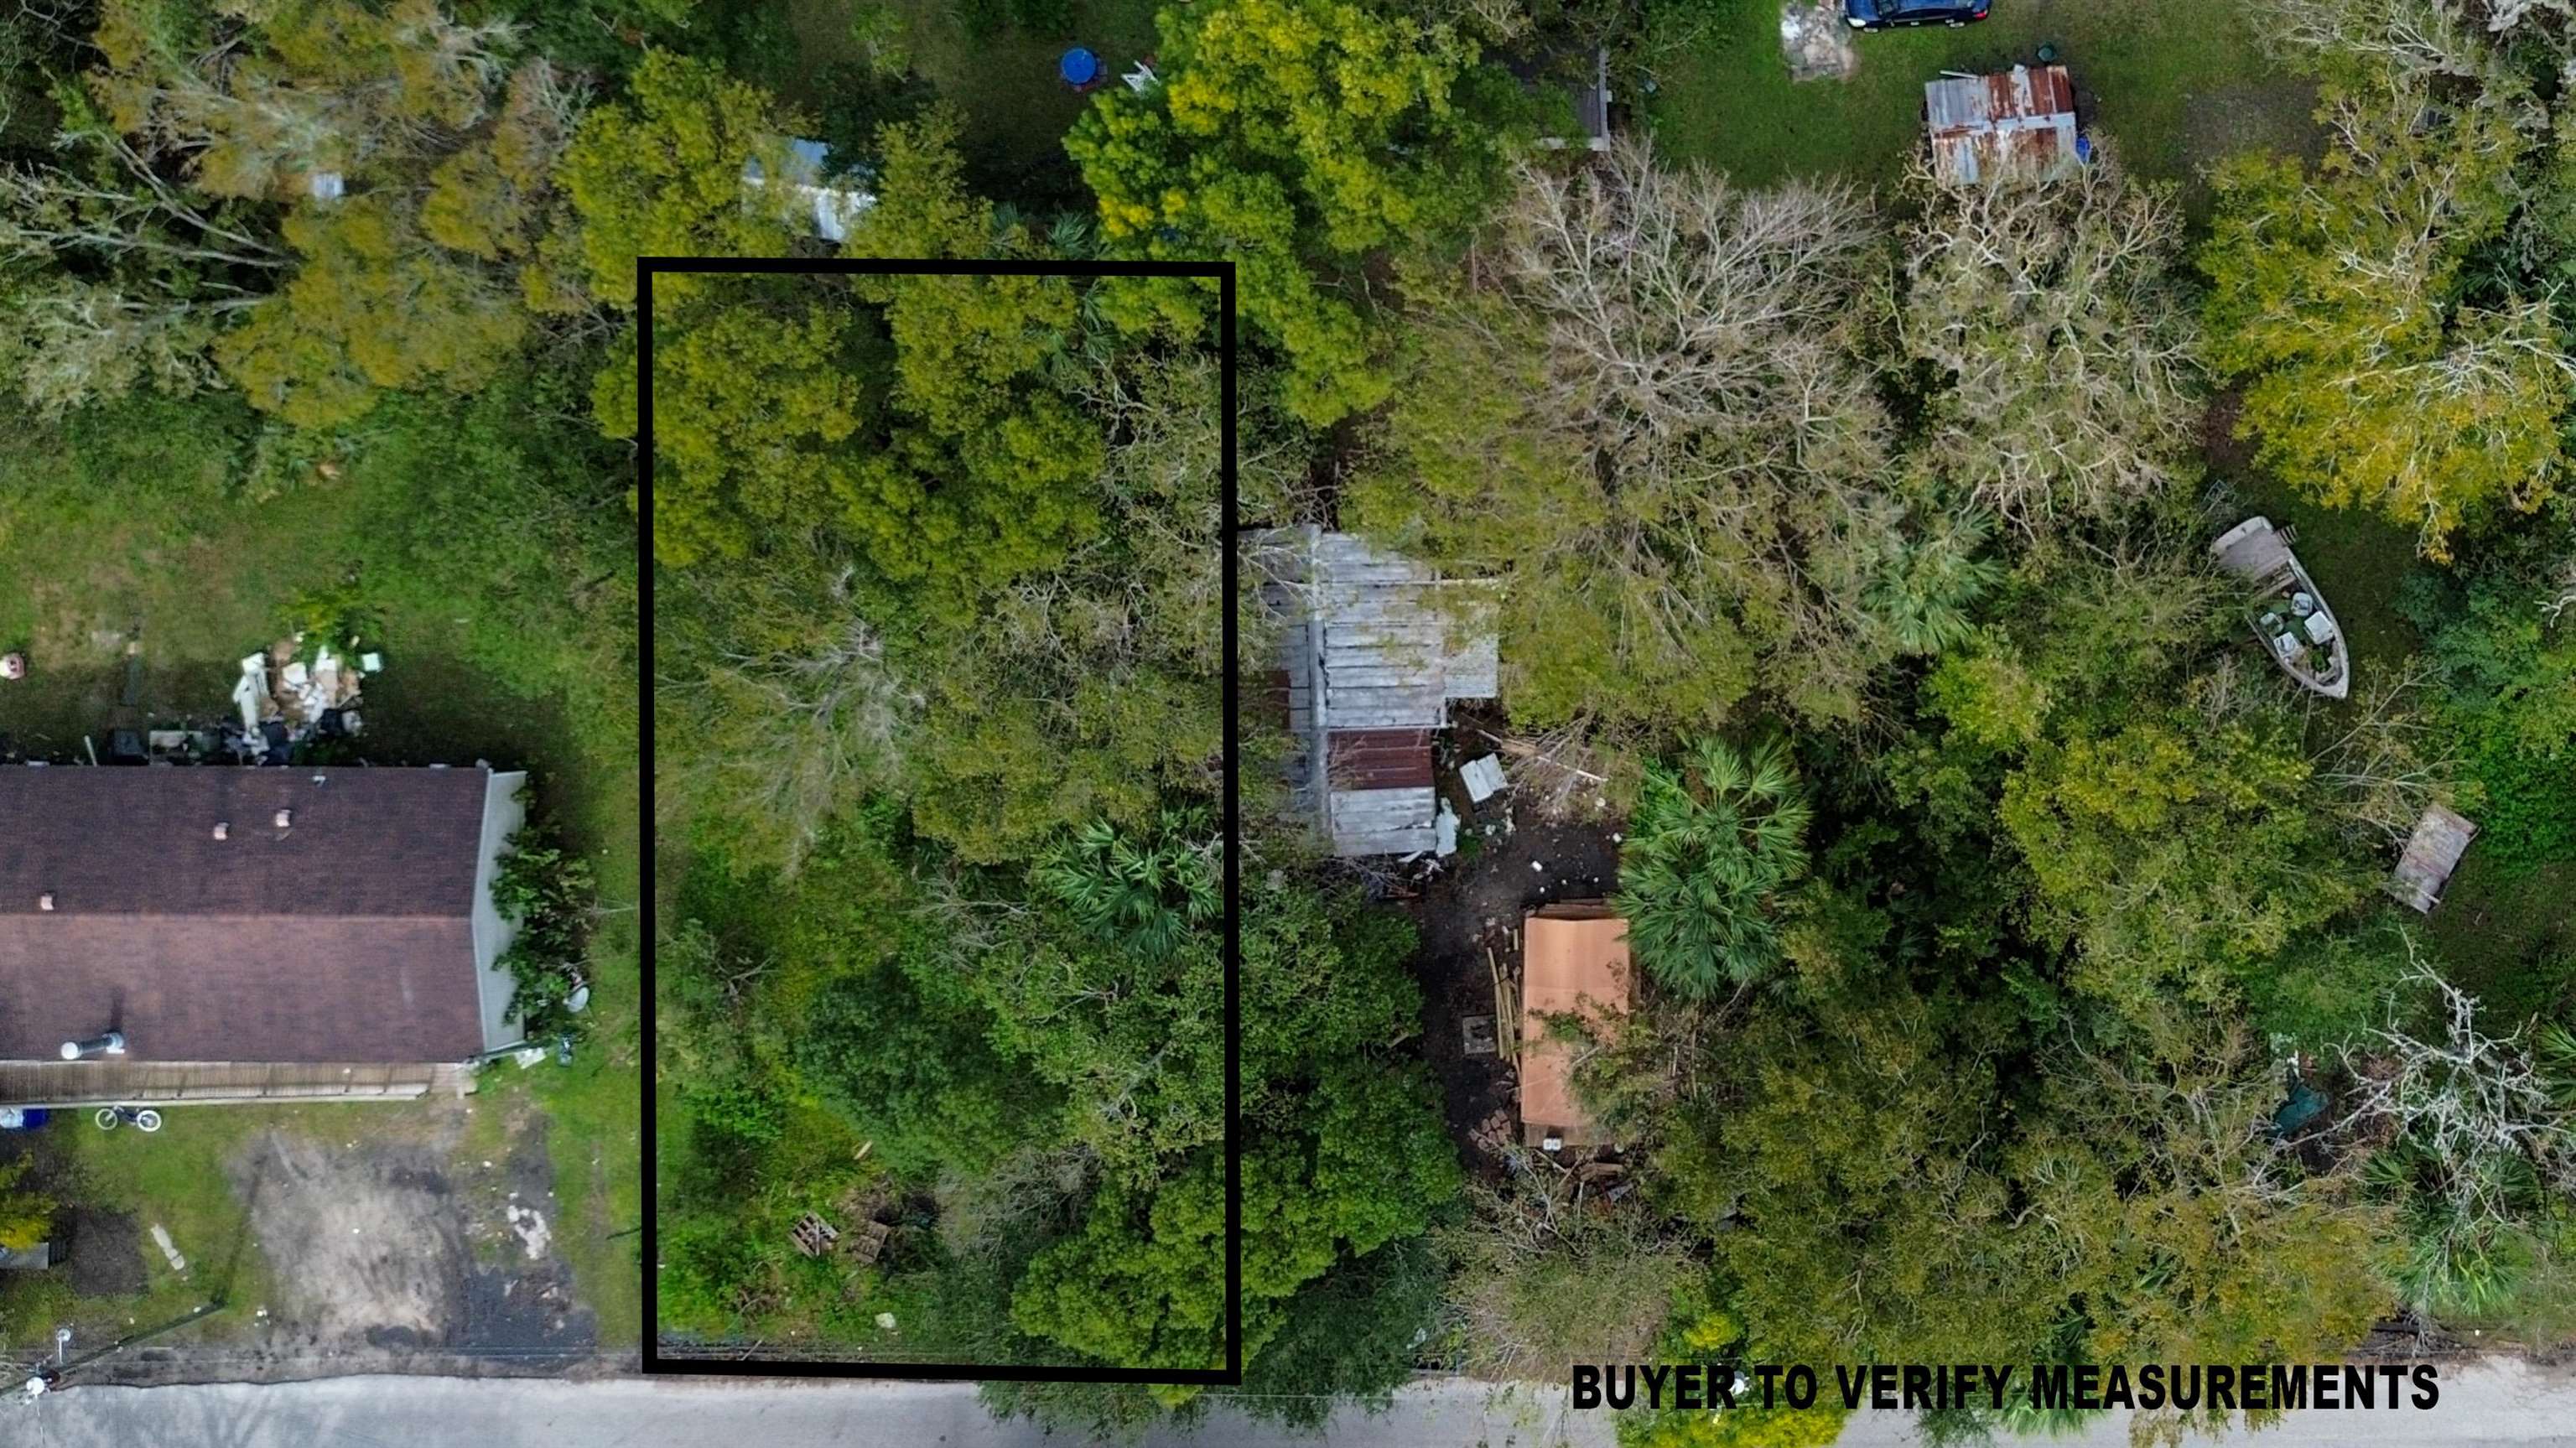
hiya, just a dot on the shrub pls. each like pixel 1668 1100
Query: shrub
pixel 549 892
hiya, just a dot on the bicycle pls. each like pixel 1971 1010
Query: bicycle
pixel 143 1117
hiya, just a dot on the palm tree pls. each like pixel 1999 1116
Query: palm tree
pixel 1709 855
pixel 1147 893
pixel 1927 586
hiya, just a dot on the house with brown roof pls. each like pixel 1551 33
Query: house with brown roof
pixel 1373 648
pixel 1574 962
pixel 217 934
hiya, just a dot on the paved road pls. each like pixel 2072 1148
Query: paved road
pixel 2504 1406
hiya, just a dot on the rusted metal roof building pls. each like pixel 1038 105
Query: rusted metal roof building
pixel 1373 648
pixel 249 933
pixel 2017 124
pixel 2433 851
pixel 1574 961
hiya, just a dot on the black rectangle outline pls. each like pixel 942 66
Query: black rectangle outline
pixel 1231 1375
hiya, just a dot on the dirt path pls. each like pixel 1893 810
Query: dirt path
pixel 1470 907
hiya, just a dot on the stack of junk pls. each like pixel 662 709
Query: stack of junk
pixel 285 699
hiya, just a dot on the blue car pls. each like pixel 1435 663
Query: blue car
pixel 1890 14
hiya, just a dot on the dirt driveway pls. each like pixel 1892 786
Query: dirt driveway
pixel 1473 907
pixel 420 1240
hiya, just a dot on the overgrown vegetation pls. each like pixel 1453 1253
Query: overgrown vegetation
pixel 952 721
pixel 549 894
pixel 1993 893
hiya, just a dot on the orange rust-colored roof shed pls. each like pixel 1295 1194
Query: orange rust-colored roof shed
pixel 1574 960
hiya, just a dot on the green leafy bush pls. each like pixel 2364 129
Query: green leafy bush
pixel 548 891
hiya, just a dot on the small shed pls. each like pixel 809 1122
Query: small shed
pixel 1574 961
pixel 1373 648
pixel 806 173
pixel 2020 123
pixel 1592 102
pixel 1585 81
pixel 2433 851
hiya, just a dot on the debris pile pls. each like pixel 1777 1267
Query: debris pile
pixel 295 691
pixel 1817 41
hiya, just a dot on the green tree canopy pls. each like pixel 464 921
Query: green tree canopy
pixel 2372 380
pixel 661 173
pixel 1287 135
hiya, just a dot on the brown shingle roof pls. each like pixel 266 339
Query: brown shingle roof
pixel 240 988
pixel 345 937
pixel 141 841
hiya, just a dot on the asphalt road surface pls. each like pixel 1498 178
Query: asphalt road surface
pixel 2500 1406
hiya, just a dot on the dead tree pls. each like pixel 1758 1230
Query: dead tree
pixel 2465 1100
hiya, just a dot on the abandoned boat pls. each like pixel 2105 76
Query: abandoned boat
pixel 2288 614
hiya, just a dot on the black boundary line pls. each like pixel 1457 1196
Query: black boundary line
pixel 1231 1375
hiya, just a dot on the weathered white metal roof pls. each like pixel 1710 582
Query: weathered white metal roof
pixel 2433 851
pixel 1372 641
pixel 832 209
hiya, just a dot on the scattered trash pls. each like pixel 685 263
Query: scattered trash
pixel 1483 777
pixel 1816 40
pixel 1477 1033
pixel 1444 829
pixel 293 692
pixel 170 1250
pixel 534 1235
pixel 814 1236
pixel 1537 868
pixel 886 1320
pixel 870 1241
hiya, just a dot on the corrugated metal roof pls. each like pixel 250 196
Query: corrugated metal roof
pixel 2020 122
pixel 1379 758
pixel 1383 821
pixel 1377 644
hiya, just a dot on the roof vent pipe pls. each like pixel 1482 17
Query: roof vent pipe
pixel 285 817
pixel 223 829
pixel 111 1044
pixel 45 901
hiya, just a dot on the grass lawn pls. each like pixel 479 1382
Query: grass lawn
pixel 175 1179
pixel 2172 86
pixel 1003 84
pixel 507 607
